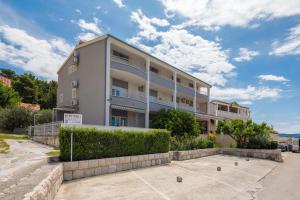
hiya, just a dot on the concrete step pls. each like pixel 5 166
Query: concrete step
pixel 16 188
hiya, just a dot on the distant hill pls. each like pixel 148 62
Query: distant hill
pixel 296 135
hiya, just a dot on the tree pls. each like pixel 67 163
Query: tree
pixel 7 73
pixel 245 133
pixel 43 116
pixel 15 117
pixel 26 86
pixel 180 123
pixel 8 97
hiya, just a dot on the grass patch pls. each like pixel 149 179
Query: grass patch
pixel 4 147
pixel 13 136
pixel 53 153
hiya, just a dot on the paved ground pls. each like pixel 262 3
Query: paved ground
pixel 22 168
pixel 284 181
pixel 201 180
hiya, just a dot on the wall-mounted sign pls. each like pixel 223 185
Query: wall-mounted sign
pixel 72 118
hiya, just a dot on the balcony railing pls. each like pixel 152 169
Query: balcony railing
pixel 126 62
pixel 232 114
pixel 185 107
pixel 128 94
pixel 159 101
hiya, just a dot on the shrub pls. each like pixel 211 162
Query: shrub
pixel 273 145
pixel 89 143
pixel 212 137
pixel 16 117
pixel 189 143
pixel 178 122
pixel 246 133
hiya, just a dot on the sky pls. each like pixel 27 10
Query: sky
pixel 249 51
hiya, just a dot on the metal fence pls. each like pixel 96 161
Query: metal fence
pixel 49 129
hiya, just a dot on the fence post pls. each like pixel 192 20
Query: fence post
pixel 71 146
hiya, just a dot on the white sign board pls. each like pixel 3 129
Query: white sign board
pixel 72 118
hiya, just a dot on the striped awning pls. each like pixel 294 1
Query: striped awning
pixel 118 107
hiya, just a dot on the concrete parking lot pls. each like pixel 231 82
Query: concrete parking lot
pixel 201 180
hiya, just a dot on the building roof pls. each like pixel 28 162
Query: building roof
pixel 103 37
pixel 30 107
pixel 228 103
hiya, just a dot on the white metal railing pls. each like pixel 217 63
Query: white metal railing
pixel 121 92
pixel 228 113
pixel 126 62
pixel 160 101
pixel 48 129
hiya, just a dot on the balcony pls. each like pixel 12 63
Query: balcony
pixel 185 90
pixel 124 65
pixel 232 115
pixel 126 98
pixel 201 95
pixel 185 107
pixel 161 81
pixel 156 104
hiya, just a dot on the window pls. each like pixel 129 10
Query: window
pixel 120 55
pixel 118 121
pixel 61 97
pixel 191 85
pixel 153 93
pixel 72 69
pixel 118 91
pixel 74 91
pixel 178 80
pixel 154 70
pixel 141 88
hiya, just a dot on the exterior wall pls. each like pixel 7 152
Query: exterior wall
pixel 192 154
pixel 48 140
pixel 86 168
pixel 91 76
pixel 136 119
pixel 48 188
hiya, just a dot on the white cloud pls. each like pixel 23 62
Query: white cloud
pixel 270 77
pixel 147 25
pixel 290 45
pixel 245 55
pixel 238 13
pixel 90 30
pixel 85 36
pixel 78 11
pixel 245 102
pixel 249 93
pixel 43 57
pixel 119 3
pixel 98 7
pixel 191 53
pixel 298 117
pixel 289 127
pixel 90 26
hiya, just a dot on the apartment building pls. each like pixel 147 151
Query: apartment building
pixel 115 84
pixel 231 110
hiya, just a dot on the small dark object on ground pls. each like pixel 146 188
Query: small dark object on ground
pixel 236 163
pixel 179 179
pixel 218 168
pixel 247 159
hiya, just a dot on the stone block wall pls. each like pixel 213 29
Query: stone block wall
pixel 48 140
pixel 270 154
pixel 86 168
pixel 48 188
pixel 192 154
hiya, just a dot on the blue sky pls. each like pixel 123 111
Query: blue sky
pixel 248 50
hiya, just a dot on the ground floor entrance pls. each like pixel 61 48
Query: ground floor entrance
pixel 124 117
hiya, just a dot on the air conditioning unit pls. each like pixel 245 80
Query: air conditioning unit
pixel 75 84
pixel 74 102
pixel 75 57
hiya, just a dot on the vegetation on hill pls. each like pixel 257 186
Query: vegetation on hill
pixel 32 89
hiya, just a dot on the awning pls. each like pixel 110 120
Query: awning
pixel 127 108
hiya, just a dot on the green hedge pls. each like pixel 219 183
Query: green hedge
pixel 190 143
pixel 89 143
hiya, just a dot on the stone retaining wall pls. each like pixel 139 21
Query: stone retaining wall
pixel 270 154
pixel 192 154
pixel 48 188
pixel 86 168
pixel 48 140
